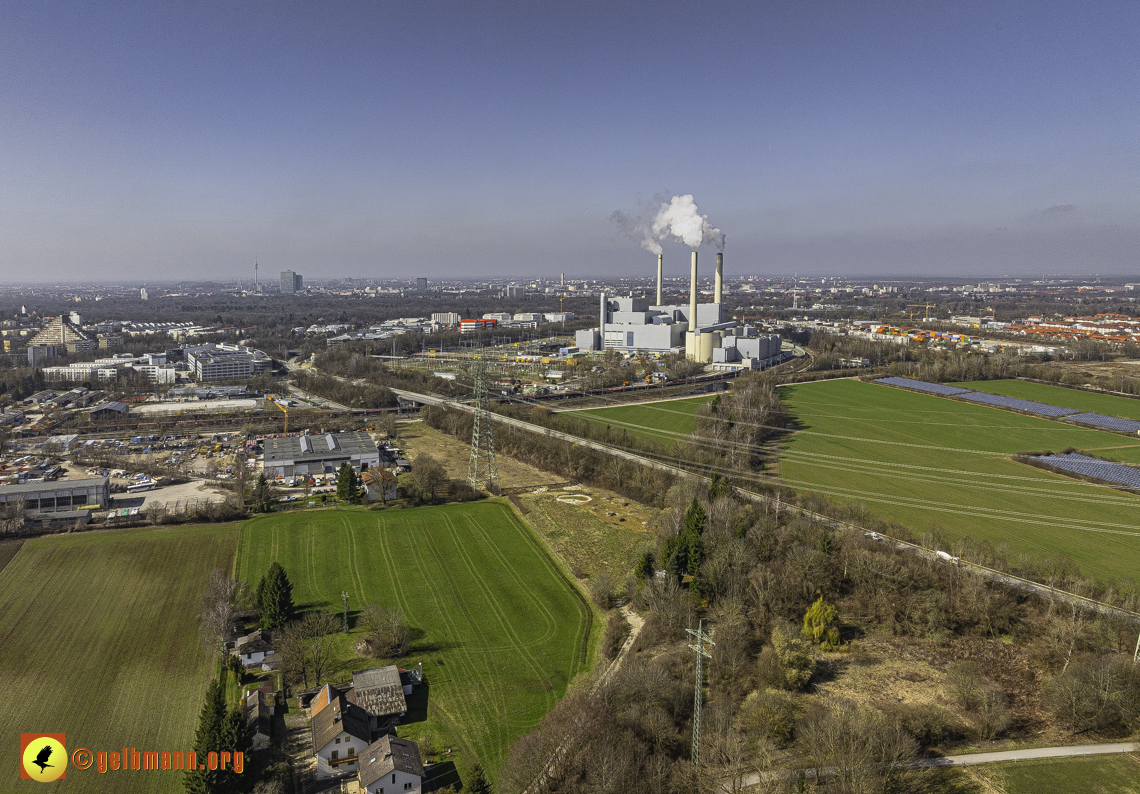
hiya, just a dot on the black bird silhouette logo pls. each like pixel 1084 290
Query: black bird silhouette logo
pixel 42 757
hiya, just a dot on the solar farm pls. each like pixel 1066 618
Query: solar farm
pixel 1088 466
pixel 1090 418
pixel 922 460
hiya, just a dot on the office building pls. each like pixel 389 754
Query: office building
pixel 291 283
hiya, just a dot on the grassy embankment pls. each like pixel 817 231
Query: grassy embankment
pixel 664 421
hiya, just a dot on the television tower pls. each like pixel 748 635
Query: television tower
pixel 481 468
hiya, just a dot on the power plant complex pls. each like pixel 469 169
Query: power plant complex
pixel 703 331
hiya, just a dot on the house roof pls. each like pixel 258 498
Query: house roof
pixel 379 691
pixel 258 642
pixel 336 716
pixel 257 713
pixel 389 754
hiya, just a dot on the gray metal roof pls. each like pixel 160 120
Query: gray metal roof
pixel 389 754
pixel 325 447
pixel 58 485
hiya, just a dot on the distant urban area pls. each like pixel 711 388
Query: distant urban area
pixel 726 527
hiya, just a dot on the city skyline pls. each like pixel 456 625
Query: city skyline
pixel 143 142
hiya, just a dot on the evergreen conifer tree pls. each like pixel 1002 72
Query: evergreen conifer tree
pixel 276 598
pixel 345 482
pixel 479 783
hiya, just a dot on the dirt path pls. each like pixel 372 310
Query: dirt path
pixel 637 623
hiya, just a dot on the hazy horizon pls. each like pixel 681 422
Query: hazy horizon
pixel 143 142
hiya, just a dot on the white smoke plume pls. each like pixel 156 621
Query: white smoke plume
pixel 637 226
pixel 680 218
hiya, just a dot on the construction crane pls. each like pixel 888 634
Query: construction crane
pixel 927 306
pixel 284 408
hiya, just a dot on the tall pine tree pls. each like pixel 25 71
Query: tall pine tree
pixel 479 783
pixel 275 598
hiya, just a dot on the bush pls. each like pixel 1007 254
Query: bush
pixel 818 624
pixel 794 656
pixel 616 632
pixel 771 715
pixel 602 589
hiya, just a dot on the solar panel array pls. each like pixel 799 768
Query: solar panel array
pixel 1110 422
pixel 921 385
pixel 1094 467
pixel 1029 406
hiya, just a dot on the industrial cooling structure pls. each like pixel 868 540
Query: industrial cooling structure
pixel 702 331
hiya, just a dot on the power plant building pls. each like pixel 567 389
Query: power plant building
pixel 704 332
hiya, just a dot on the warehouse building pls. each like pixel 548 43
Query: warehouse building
pixel 61 495
pixel 299 456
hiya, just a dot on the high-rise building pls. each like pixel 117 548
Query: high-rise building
pixel 291 283
pixel 142 293
pixel 421 284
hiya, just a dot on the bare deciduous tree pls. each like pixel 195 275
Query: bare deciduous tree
pixel 387 634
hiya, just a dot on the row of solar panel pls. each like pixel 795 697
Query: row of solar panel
pixel 1029 406
pixel 921 385
pixel 1110 422
pixel 1094 467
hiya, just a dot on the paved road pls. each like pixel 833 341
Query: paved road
pixel 972 759
pixel 1026 755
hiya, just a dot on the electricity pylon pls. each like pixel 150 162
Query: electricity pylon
pixel 481 467
pixel 698 697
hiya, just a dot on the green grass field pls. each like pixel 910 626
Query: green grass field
pixel 671 419
pixel 98 640
pixel 1101 774
pixel 922 460
pixel 499 629
pixel 1108 404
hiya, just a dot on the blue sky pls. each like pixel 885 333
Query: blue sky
pixel 174 139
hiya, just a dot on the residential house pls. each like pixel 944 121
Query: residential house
pixel 256 649
pixel 391 766
pixel 380 692
pixel 340 732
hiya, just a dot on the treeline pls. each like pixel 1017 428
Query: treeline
pixel 352 395
pixel 730 429
pixel 829 350
pixel 356 362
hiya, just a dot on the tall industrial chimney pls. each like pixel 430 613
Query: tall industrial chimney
pixel 659 279
pixel 693 296
pixel 718 295
pixel 602 324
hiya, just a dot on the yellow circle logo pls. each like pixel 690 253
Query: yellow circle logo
pixel 45 759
